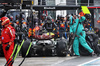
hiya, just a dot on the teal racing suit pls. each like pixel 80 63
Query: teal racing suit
pixel 80 36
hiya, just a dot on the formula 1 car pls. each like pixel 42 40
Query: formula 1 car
pixel 44 45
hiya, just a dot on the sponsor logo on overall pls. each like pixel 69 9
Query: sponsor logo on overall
pixel 2 38
pixel 5 32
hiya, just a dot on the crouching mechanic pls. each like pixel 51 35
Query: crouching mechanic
pixel 7 38
pixel 80 36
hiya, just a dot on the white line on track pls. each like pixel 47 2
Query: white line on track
pixel 58 62
pixel 89 61
pixel 61 61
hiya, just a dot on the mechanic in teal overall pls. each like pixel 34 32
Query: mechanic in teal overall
pixel 80 38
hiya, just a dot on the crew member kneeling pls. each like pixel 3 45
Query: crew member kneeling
pixel 7 38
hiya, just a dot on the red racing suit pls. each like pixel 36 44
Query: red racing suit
pixel 8 35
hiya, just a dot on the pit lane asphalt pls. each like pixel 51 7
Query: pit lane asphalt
pixel 56 61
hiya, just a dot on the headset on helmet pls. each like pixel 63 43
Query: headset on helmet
pixel 49 18
pixel 17 16
pixel 43 16
pixel 58 17
pixel 88 16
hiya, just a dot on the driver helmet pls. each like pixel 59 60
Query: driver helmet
pixel 49 19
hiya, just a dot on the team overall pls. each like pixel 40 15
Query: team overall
pixel 7 35
pixel 81 36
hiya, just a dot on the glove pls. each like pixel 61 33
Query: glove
pixel 7 47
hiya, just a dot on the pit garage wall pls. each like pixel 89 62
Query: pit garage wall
pixel 51 13
pixel 60 12
pixel 96 14
pixel 96 18
pixel 66 2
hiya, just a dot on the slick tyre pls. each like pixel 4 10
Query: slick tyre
pixel 96 47
pixel 25 48
pixel 83 51
pixel 61 48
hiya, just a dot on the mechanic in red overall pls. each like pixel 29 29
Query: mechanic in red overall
pixel 7 38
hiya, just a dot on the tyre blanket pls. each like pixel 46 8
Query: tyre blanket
pixel 44 36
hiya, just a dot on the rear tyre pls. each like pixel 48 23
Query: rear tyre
pixel 96 47
pixel 25 48
pixel 83 51
pixel 61 48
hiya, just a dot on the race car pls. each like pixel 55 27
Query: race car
pixel 44 45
